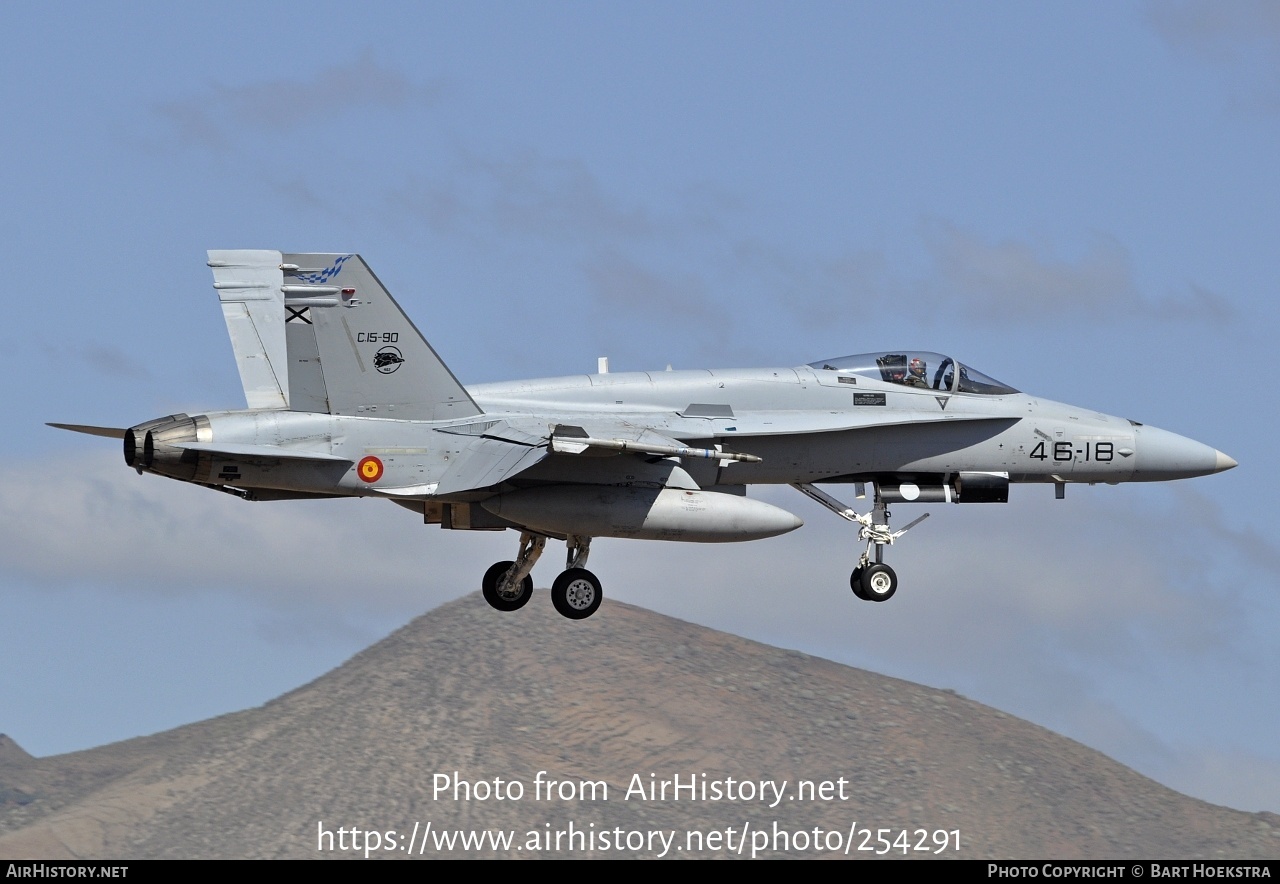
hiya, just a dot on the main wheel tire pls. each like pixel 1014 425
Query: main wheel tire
pixel 855 583
pixel 879 583
pixel 576 593
pixel 489 586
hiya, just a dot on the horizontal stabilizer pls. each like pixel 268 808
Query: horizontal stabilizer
pixel 109 432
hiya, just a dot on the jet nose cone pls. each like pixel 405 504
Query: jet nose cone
pixel 1164 455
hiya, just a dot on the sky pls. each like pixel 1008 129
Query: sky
pixel 1079 199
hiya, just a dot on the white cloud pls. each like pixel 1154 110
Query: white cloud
pixel 1012 280
pixel 1241 37
pixel 1218 31
pixel 218 117
pixel 1245 538
pixel 620 283
pixel 523 192
pixel 92 521
pixel 971 278
pixel 106 359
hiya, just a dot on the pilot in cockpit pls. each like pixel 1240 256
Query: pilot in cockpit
pixel 917 374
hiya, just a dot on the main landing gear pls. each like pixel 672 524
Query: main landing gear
pixel 872 581
pixel 576 593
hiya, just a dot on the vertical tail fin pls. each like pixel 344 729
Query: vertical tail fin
pixel 250 286
pixel 372 359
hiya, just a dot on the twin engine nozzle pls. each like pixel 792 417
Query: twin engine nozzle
pixel 153 446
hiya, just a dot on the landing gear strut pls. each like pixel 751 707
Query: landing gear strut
pixel 872 581
pixel 576 593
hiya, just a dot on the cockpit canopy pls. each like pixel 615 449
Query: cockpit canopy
pixel 917 368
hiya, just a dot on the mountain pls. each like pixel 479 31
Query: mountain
pixel 627 699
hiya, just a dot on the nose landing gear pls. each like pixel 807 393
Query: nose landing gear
pixel 872 581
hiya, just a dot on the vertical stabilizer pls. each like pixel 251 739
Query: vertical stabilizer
pixel 250 286
pixel 373 361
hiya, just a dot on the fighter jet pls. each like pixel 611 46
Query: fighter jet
pixel 347 399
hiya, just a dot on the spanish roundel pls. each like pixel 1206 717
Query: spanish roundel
pixel 369 469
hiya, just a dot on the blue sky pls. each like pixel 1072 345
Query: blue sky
pixel 1077 198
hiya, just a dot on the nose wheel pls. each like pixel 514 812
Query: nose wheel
pixel 855 583
pixel 874 583
pixel 871 580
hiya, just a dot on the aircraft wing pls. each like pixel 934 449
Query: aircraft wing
pixel 496 452
pixel 500 451
pixel 489 461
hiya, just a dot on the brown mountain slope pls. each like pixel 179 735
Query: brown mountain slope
pixel 11 752
pixel 627 693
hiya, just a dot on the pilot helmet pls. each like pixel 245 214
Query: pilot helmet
pixel 917 367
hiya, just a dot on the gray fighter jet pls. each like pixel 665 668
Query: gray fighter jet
pixel 347 399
